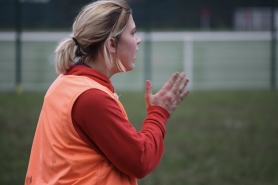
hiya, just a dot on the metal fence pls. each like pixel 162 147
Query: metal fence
pixel 211 60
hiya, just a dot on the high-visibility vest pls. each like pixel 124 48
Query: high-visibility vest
pixel 59 156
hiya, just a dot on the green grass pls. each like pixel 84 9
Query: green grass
pixel 214 137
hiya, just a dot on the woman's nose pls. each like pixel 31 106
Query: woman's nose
pixel 138 40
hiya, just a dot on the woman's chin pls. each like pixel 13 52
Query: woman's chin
pixel 132 67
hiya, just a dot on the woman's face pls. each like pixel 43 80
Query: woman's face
pixel 128 45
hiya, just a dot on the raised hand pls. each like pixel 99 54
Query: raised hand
pixel 170 95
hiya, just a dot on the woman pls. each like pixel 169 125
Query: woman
pixel 83 134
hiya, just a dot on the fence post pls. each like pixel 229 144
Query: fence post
pixel 148 43
pixel 18 87
pixel 273 48
pixel 147 57
pixel 188 60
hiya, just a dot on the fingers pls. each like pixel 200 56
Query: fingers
pixel 179 84
pixel 183 85
pixel 184 94
pixel 175 84
pixel 170 95
pixel 171 82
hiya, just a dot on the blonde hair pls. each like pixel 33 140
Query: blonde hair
pixel 96 23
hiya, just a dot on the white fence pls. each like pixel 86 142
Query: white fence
pixel 211 60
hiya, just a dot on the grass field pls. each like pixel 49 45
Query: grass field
pixel 214 137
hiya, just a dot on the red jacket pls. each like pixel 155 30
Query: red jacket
pixel 116 138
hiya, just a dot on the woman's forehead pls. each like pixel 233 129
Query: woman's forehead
pixel 131 23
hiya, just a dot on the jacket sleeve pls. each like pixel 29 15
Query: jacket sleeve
pixel 99 121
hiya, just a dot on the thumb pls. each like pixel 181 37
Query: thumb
pixel 148 89
pixel 148 93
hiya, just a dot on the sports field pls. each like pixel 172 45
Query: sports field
pixel 211 60
pixel 225 132
pixel 214 137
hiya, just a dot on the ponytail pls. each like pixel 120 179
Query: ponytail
pixel 95 24
pixel 64 55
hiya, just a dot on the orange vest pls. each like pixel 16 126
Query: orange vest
pixel 59 156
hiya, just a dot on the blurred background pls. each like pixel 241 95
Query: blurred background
pixel 225 132
pixel 220 44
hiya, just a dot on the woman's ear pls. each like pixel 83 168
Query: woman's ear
pixel 111 45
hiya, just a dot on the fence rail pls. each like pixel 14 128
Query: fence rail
pixel 211 60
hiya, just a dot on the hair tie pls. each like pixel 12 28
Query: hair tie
pixel 74 39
